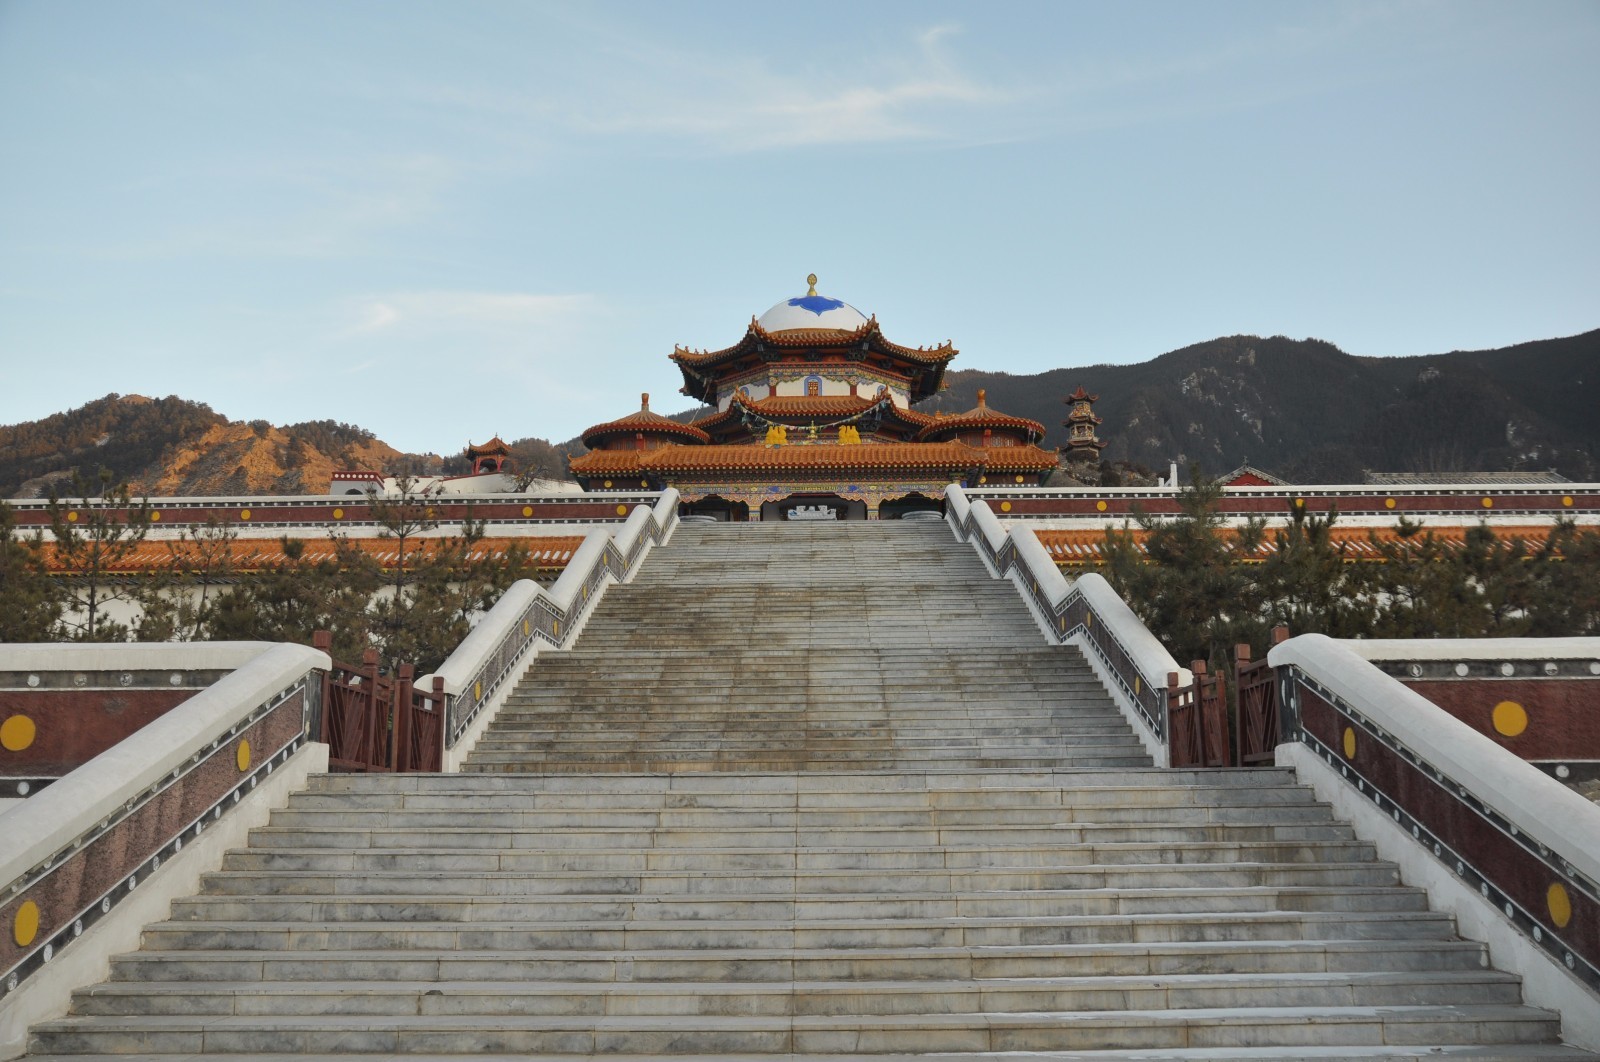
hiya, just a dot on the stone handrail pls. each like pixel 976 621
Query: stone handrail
pixel 77 850
pixel 1523 842
pixel 482 667
pixel 1087 613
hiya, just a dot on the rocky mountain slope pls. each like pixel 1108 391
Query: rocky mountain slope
pixel 1301 408
pixel 1307 410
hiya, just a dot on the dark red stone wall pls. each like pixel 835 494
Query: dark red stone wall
pixel 73 726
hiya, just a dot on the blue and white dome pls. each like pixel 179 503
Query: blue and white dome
pixel 812 311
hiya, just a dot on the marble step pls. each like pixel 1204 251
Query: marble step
pixel 667 1034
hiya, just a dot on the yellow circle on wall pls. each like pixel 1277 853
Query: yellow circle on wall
pixel 1566 499
pixel 1560 905
pixel 17 733
pixel 26 926
pixel 338 514
pixel 644 483
pixel 527 510
pixel 622 510
pixel 1349 743
pixel 244 514
pixel 1299 503
pixel 72 517
pixel 1488 503
pixel 155 517
pixel 1388 503
pixel 608 483
pixel 1100 506
pixel 1510 718
pixel 1005 507
pixel 242 756
pixel 983 479
pixel 1019 479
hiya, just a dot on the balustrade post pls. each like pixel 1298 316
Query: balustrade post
pixel 376 718
pixel 441 704
pixel 400 742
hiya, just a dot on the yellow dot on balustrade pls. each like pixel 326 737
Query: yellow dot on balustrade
pixel 1100 506
pixel 1005 507
pixel 26 926
pixel 1566 499
pixel 1388 503
pixel 525 631
pixel 72 518
pixel 155 517
pixel 1560 905
pixel 244 514
pixel 1487 503
pixel 1510 718
pixel 1137 683
pixel 527 510
pixel 1349 743
pixel 17 733
pixel 622 510
pixel 555 628
pixel 477 691
pixel 241 756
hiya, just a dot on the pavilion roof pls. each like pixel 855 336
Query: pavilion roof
pixel 814 456
pixel 493 447
pixel 981 416
pixel 644 422
pixel 696 364
pixel 784 407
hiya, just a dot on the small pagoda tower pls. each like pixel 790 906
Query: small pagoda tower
pixel 488 458
pixel 1083 444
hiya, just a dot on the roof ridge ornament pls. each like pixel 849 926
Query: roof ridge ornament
pixel 811 284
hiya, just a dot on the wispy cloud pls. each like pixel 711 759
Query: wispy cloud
pixel 641 89
pixel 415 312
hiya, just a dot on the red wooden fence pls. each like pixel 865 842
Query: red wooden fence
pixel 1201 730
pixel 376 722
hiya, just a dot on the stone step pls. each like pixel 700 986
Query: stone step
pixel 784 964
pixel 1085 994
pixel 989 1031
pixel 1224 905
pixel 1519 1052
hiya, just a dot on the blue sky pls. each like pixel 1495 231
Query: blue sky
pixel 446 220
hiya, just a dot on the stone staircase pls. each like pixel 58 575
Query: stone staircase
pixel 811 790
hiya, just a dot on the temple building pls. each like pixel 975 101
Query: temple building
pixel 812 417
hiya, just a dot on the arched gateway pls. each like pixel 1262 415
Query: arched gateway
pixel 812 408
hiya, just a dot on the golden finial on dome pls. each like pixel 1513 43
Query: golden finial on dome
pixel 811 281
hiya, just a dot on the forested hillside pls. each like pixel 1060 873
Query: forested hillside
pixel 1309 411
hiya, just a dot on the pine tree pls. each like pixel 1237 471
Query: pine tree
pixel 95 536
pixel 30 601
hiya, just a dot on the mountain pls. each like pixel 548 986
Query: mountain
pixel 1303 409
pixel 169 446
pixel 1308 411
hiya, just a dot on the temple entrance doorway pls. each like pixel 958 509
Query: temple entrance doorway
pixel 717 508
pixel 911 503
pixel 818 507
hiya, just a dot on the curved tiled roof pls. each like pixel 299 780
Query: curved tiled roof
pixel 817 456
pixel 980 417
pixel 1076 546
pixel 607 462
pixel 802 338
pixel 644 422
pixel 830 407
pixel 251 555
pixel 494 446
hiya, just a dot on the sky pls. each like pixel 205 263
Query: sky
pixel 442 221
